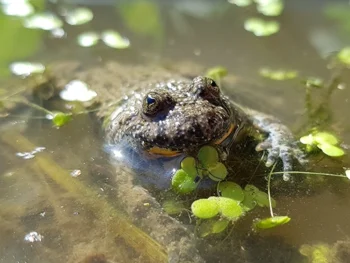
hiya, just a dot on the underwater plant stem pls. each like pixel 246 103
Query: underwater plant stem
pixel 312 173
pixel 30 104
pixel 269 189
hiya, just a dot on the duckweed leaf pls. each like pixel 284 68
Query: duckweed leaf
pixel 77 90
pixel 325 141
pixel 270 8
pixel 216 73
pixel 241 3
pixel 325 137
pixel 79 16
pixel 17 8
pixel 248 202
pixel 344 56
pixel 271 222
pixel 220 226
pixel 229 208
pixel 205 208
pixel 231 190
pixel 44 21
pixel 331 150
pixel 114 39
pixel 172 207
pixel 308 139
pixel 182 182
pixel 59 118
pixel 314 82
pixel 212 226
pixel 189 166
pixel 261 27
pixel 217 172
pixel 26 68
pixel 262 199
pixel 347 173
pixel 208 156
pixel 278 74
pixel 88 39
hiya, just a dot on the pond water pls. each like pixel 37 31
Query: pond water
pixel 58 193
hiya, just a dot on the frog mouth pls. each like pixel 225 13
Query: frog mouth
pixel 165 152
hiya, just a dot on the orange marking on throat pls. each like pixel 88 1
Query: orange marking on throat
pixel 163 152
pixel 224 137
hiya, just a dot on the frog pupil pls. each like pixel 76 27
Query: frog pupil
pixel 150 100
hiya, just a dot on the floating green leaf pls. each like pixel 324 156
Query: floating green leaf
pixel 173 207
pixel 88 39
pixel 217 172
pixel 325 141
pixel 189 166
pixel 344 56
pixel 17 8
pixel 182 182
pixel 271 222
pixel 331 150
pixel 231 190
pixel 270 8
pixel 228 207
pixel 260 197
pixel 77 90
pixel 44 21
pixel 314 82
pixel 347 173
pixel 262 200
pixel 241 3
pixel 219 226
pixel 208 156
pixel 211 226
pixel 325 137
pixel 278 74
pixel 308 139
pixel 248 202
pixel 205 208
pixel 79 16
pixel 26 68
pixel 59 118
pixel 216 73
pixel 114 39
pixel 261 27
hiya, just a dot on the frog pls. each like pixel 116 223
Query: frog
pixel 173 117
pixel 162 113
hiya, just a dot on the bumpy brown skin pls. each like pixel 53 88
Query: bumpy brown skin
pixel 180 116
pixel 185 114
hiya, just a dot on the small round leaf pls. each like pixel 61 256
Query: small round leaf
pixel 271 222
pixel 205 208
pixel 182 182
pixel 231 190
pixel 208 156
pixel 218 172
pixel 189 166
pixel 331 150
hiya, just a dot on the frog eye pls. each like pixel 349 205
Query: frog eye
pixel 155 103
pixel 209 90
pixel 212 87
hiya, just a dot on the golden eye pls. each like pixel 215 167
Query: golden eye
pixel 156 103
pixel 209 90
